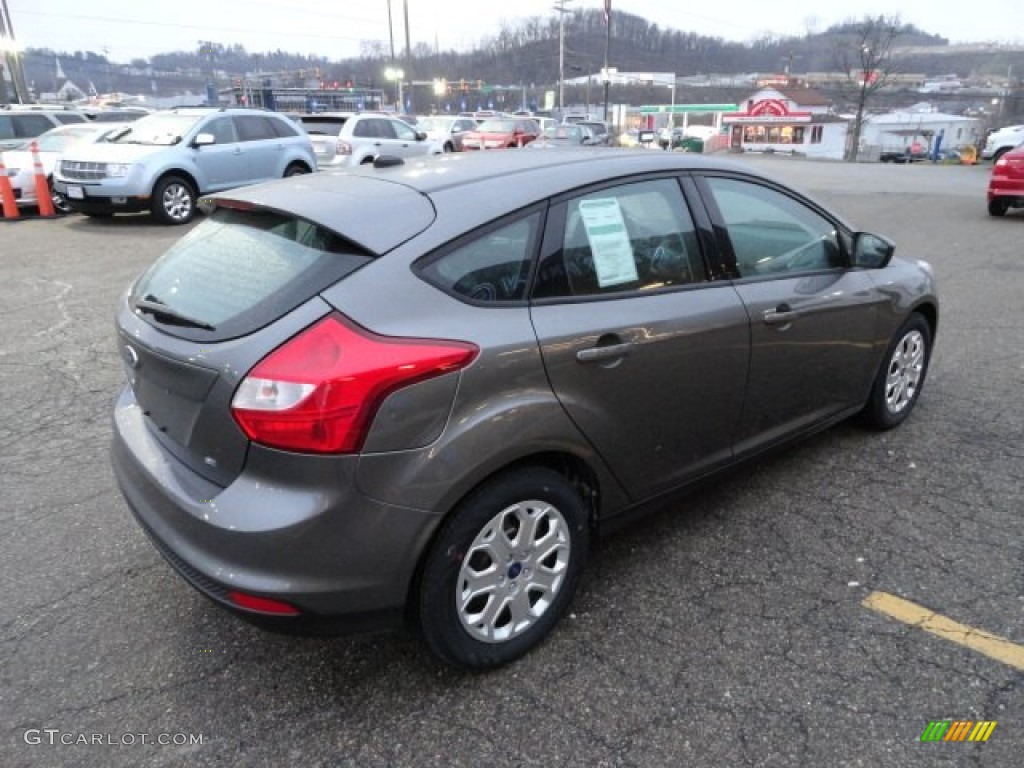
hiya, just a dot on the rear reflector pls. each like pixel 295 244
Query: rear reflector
pixel 262 604
pixel 319 391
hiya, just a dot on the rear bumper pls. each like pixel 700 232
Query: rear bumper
pixel 288 528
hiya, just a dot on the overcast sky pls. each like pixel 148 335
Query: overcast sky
pixel 336 29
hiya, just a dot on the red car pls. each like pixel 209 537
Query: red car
pixel 501 133
pixel 1006 187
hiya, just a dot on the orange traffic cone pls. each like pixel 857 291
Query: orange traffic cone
pixel 7 193
pixel 43 199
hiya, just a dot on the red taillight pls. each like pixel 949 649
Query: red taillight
pixel 343 148
pixel 319 391
pixel 262 604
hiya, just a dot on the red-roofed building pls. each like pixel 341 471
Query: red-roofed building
pixel 791 120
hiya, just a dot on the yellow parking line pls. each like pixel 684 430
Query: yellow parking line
pixel 993 646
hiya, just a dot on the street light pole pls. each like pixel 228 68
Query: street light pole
pixel 562 10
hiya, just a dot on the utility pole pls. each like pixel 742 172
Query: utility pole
pixel 561 10
pixel 607 45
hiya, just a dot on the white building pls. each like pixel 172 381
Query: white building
pixel 900 131
pixel 789 120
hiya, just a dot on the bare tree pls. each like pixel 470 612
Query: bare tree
pixel 864 53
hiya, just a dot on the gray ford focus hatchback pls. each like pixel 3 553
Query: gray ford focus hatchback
pixel 413 392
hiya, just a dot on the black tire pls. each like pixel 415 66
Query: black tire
pixel 534 522
pixel 60 203
pixel 901 376
pixel 295 169
pixel 449 147
pixel 998 207
pixel 174 200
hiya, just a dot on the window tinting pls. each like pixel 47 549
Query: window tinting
pixel 283 128
pixel 68 118
pixel 234 260
pixel 491 267
pixel 634 237
pixel 324 126
pixel 773 233
pixel 254 128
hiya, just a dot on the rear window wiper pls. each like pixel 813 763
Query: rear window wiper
pixel 164 313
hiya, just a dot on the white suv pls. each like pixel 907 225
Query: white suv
pixel 165 161
pixel 1002 141
pixel 343 139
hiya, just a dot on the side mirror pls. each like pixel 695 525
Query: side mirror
pixel 204 139
pixel 871 251
pixel 421 136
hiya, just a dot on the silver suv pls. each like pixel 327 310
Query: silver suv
pixel 344 139
pixel 20 123
pixel 165 161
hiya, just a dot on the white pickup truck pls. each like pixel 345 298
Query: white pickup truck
pixel 1002 141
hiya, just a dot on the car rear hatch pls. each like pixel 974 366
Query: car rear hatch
pixel 235 288
pixel 323 131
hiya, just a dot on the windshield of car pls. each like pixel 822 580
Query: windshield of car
pixel 435 124
pixel 497 126
pixel 564 133
pixel 59 140
pixel 160 130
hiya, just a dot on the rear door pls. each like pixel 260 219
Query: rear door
pixel 648 357
pixel 812 318
pixel 263 149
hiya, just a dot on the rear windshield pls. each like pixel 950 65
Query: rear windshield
pixel 327 126
pixel 239 270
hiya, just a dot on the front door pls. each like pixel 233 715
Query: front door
pixel 811 318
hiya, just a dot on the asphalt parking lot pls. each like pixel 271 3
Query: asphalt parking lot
pixel 729 630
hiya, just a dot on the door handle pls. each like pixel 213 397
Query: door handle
pixel 781 315
pixel 603 354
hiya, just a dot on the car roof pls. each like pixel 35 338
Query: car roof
pixel 409 195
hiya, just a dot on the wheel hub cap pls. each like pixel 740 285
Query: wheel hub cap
pixel 512 571
pixel 905 368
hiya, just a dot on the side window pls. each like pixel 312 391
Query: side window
pixel 6 127
pixel 366 129
pixel 632 237
pixel 403 131
pixel 771 233
pixel 283 128
pixel 254 128
pixel 490 267
pixel 223 130
pixel 68 118
pixel 383 129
